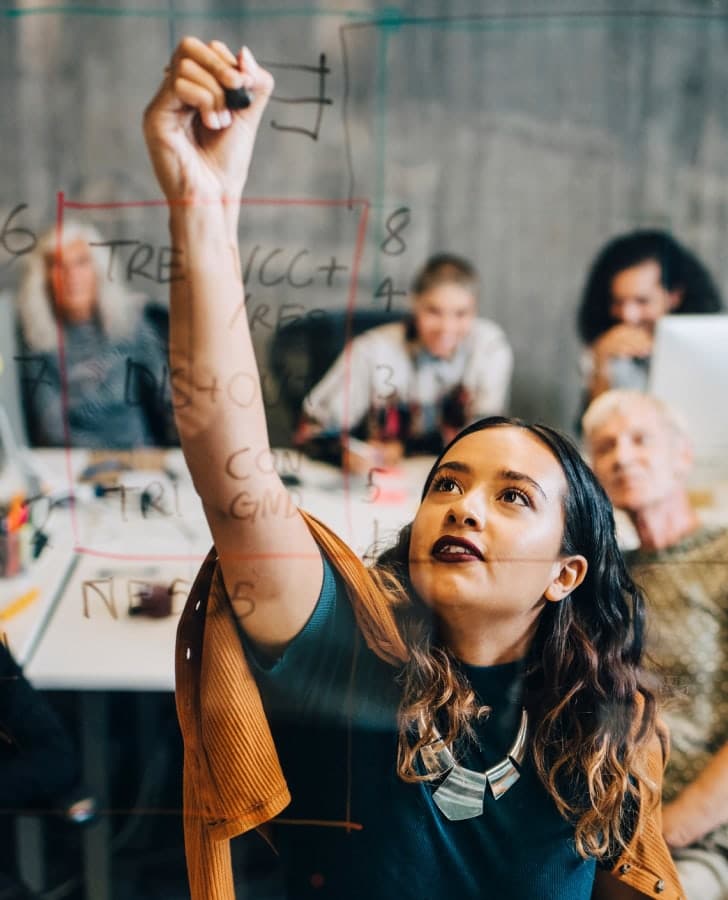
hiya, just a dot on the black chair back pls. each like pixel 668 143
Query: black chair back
pixel 302 351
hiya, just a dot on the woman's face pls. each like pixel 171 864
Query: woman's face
pixel 443 318
pixel 72 281
pixel 638 296
pixel 488 534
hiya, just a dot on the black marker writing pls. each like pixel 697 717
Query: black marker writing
pixel 273 268
pixel 387 291
pixel 266 461
pixel 393 244
pixel 241 387
pixel 96 587
pixel 14 239
pixel 152 499
pixel 384 381
pixel 284 316
pixel 167 268
pixel 242 603
pixel 232 464
pixel 141 384
pixel 246 506
pixel 375 489
pixel 322 70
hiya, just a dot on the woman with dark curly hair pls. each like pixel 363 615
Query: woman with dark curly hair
pixel 466 719
pixel 635 280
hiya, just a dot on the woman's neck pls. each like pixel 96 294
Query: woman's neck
pixel 487 642
pixel 665 524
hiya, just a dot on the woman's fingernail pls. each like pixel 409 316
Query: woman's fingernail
pixel 225 118
pixel 213 121
pixel 250 62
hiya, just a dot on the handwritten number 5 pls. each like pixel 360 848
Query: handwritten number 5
pixel 375 489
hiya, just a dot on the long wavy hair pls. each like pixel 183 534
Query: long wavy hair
pixel 118 308
pixel 591 709
pixel 679 268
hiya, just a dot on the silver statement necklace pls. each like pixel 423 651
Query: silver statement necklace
pixel 461 794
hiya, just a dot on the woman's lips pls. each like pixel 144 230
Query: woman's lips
pixel 451 549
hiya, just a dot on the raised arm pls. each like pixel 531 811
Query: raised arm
pixel 201 152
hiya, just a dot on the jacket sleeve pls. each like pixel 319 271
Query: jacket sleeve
pixel 646 865
pixel 232 779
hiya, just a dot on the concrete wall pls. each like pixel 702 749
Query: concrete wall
pixel 522 134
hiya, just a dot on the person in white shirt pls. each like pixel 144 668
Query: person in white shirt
pixel 410 386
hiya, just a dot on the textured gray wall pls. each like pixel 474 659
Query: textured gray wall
pixel 521 134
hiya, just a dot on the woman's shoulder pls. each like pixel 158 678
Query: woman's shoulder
pixel 486 333
pixel 372 600
pixel 391 334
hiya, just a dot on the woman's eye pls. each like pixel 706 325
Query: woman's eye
pixel 512 495
pixel 445 484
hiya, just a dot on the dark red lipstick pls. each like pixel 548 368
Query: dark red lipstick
pixel 453 549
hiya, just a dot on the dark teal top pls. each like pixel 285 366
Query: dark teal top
pixel 399 846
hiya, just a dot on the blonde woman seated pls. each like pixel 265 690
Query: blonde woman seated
pixel 92 362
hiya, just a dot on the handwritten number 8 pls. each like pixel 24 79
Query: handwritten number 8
pixel 393 244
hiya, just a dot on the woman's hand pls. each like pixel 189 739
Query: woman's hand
pixel 199 148
pixel 681 825
pixel 623 340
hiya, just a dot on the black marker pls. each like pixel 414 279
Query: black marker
pixel 237 98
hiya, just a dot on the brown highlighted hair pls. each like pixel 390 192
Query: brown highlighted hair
pixel 592 711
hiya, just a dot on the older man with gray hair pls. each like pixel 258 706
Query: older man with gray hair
pixel 642 456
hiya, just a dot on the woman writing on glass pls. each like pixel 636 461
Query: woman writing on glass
pixel 466 719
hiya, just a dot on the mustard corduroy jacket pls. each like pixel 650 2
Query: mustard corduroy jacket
pixel 233 780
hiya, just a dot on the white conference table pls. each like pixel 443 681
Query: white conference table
pixel 108 548
pixel 115 552
pixel 35 591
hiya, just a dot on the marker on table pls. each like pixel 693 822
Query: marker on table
pixel 19 604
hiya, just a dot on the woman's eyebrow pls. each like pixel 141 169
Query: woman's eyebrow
pixel 504 474
pixel 511 475
pixel 454 466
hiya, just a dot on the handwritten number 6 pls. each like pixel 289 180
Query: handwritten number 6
pixel 9 235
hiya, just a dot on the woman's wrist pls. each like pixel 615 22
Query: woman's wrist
pixel 202 220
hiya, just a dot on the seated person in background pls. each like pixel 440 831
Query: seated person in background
pixel 408 387
pixel 634 281
pixel 642 457
pixel 39 767
pixel 114 358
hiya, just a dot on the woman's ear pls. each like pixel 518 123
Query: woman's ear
pixel 675 298
pixel 571 573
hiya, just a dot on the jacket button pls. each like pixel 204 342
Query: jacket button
pixel 660 886
pixel 623 869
